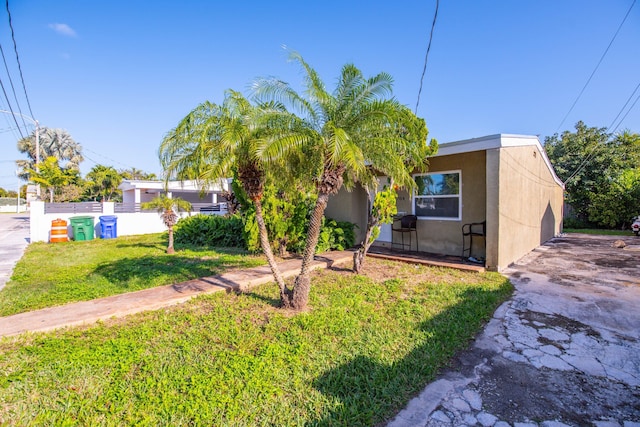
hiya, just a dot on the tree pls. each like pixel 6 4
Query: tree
pixel 51 176
pixel 168 209
pixel 591 162
pixel 102 182
pixel 214 142
pixel 137 174
pixel 53 142
pixel 350 134
pixel 619 203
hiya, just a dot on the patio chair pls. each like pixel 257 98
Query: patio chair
pixel 405 225
pixel 469 231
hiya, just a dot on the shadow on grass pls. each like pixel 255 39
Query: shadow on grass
pixel 162 246
pixel 274 302
pixel 371 392
pixel 152 269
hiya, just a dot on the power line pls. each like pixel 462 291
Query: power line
pixel 11 109
pixel 426 56
pixel 595 69
pixel 13 89
pixel 623 107
pixel 629 110
pixel 590 156
pixel 15 48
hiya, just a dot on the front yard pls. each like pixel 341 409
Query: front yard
pixel 55 274
pixel 366 345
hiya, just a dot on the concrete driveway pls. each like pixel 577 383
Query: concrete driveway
pixel 14 238
pixel 564 351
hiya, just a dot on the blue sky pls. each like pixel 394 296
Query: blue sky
pixel 118 75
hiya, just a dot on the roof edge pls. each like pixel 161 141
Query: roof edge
pixel 497 141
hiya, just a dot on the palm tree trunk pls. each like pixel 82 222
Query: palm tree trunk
pixel 373 222
pixel 170 249
pixel 302 284
pixel 285 294
pixel 361 253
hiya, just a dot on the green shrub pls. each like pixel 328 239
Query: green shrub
pixel 211 230
pixel 336 235
pixel 286 217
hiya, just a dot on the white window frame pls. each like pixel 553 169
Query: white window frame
pixel 459 196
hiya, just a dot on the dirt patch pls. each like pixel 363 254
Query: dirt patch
pixel 534 319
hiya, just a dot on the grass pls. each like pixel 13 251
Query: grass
pixel 365 347
pixel 599 232
pixel 55 274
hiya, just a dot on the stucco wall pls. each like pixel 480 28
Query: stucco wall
pixel 528 203
pixel 445 236
pixel 349 206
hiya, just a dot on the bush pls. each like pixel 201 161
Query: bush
pixel 336 236
pixel 211 230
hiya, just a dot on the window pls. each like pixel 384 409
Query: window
pixel 438 196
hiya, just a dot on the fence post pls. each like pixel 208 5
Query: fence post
pixel 37 227
pixel 108 208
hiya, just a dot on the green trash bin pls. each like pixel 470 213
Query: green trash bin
pixel 82 227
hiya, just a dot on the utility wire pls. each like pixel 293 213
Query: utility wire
pixel 590 156
pixel 623 107
pixel 629 110
pixel 11 109
pixel 426 56
pixel 13 89
pixel 595 69
pixel 15 48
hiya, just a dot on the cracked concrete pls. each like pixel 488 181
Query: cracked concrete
pixel 564 351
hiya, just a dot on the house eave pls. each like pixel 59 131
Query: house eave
pixel 491 142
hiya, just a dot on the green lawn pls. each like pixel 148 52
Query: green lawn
pixel 366 345
pixel 600 232
pixel 54 274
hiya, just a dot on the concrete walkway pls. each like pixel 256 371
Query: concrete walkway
pixel 564 351
pixel 87 312
pixel 14 238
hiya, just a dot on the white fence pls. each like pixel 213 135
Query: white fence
pixel 13 204
pixel 127 223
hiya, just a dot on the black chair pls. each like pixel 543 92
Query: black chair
pixel 471 230
pixel 406 224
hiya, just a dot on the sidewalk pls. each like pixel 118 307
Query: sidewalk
pixel 87 312
pixel 14 235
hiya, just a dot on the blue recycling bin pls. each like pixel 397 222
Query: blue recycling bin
pixel 108 226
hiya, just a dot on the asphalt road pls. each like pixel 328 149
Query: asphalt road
pixel 14 238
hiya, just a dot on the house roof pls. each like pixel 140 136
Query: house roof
pixel 497 141
pixel 188 186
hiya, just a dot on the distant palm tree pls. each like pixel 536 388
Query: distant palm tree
pixel 168 209
pixel 53 142
pixel 137 174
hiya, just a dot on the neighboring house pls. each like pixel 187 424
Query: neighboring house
pixel 505 180
pixel 130 218
pixel 134 192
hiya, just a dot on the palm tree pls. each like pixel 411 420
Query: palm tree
pixel 214 140
pixel 103 182
pixel 350 133
pixel 168 209
pixel 53 142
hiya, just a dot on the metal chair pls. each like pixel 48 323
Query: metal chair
pixel 407 224
pixel 471 230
